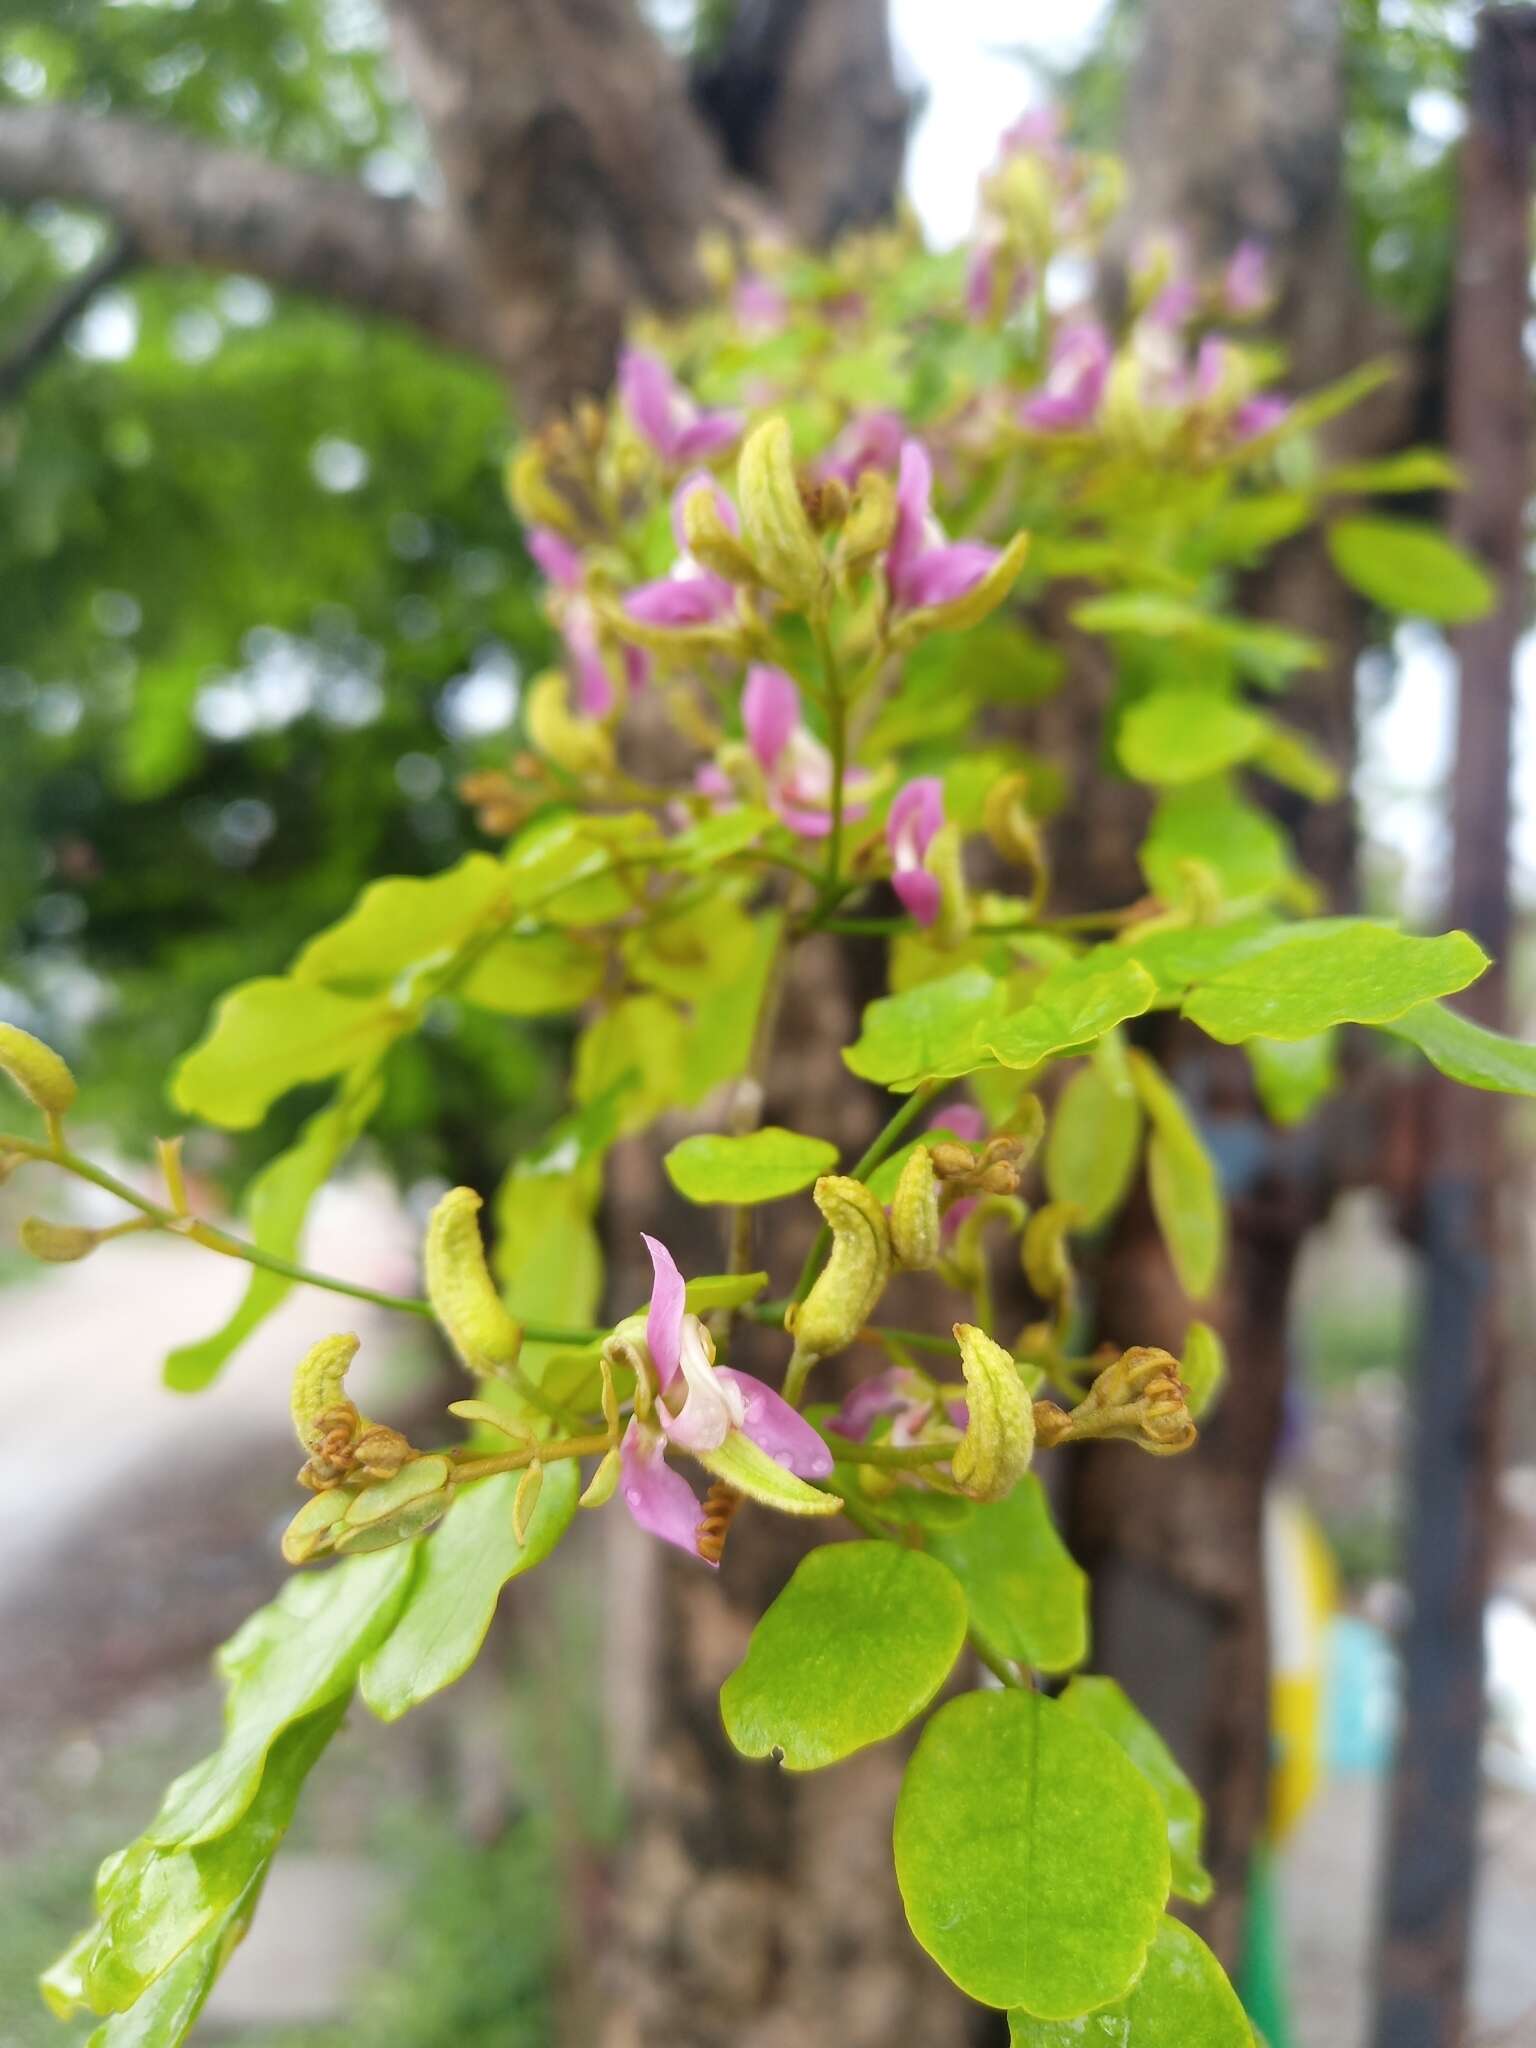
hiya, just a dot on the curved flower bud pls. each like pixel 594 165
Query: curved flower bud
pixel 708 529
pixel 999 1437
pixel 460 1288
pixel 1047 1256
pixel 778 529
pixel 870 523
pixel 858 1266
pixel 915 1223
pixel 579 745
pixel 60 1244
pixel 36 1069
pixel 534 498
pixel 1142 1400
pixel 318 1393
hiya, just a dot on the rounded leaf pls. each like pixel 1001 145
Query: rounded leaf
pixel 1183 2000
pixel 1093 1146
pixel 760 1167
pixel 1031 1854
pixel 1408 568
pixel 858 1642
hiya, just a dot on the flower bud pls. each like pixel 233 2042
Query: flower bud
pixel 603 1484
pixel 579 745
pixel 380 1451
pixel 871 522
pixel 999 1439
pixel 915 1213
pixel 710 540
pixel 1138 1399
pixel 318 1392
pixel 397 1509
pixel 854 1277
pixel 778 530
pixel 36 1070
pixel 534 499
pixel 1046 1254
pixel 459 1286
pixel 59 1243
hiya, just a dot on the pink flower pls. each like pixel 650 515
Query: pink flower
pixel 690 595
pixel 916 814
pixel 871 440
pixel 795 764
pixel 1259 415
pixel 664 414
pixel 698 1406
pixel 921 567
pixel 1246 288
pixel 1075 379
pixel 596 692
pixel 908 1397
pixel 761 306
pixel 558 561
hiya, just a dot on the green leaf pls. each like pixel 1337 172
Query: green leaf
pixel 1104 1704
pixel 1294 1075
pixel 1027 1596
pixel 882 1183
pixel 722 1290
pixel 1210 826
pixel 743 1464
pixel 275 1209
pixel 1074 1005
pixel 1181 2000
pixel 1255 648
pixel 1093 1145
pixel 1031 1854
pixel 927 1031
pixel 1203 1368
pixel 635 1048
pixel 405 921
pixel 708 944
pixel 535 975
pixel 1186 735
pixel 1179 955
pixel 1344 971
pixel 289 1659
pixel 1412 569
pixel 459 1575
pixel 856 1645
pixel 269 1036
pixel 1468 1052
pixel 760 1167
pixel 1186 1195
pixel 1411 469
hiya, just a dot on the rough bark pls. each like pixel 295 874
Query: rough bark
pixel 1234 129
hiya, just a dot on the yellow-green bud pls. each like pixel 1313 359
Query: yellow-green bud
pixel 534 499
pixel 579 745
pixel 399 1508
pixel 603 1484
pixel 460 1288
pixel 525 1500
pixel 943 860
pixel 999 1439
pixel 36 1070
pixel 777 527
pixel 871 522
pixel 857 1268
pixel 59 1243
pixel 319 1387
pixel 1047 1254
pixel 312 1532
pixel 915 1213
pixel 1141 1399
pixel 710 541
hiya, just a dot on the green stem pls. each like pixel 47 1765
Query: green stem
pixel 231 1247
pixel 886 1454
pixel 884 1144
pixel 465 1469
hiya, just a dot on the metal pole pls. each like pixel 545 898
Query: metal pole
pixel 1431 1851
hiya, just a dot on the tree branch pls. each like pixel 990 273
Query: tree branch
pixel 48 328
pixel 180 201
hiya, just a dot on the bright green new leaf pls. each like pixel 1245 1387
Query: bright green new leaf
pixel 1093 1145
pixel 404 922
pixel 1186 1195
pixel 1186 735
pixel 1031 1853
pixel 1266 653
pixel 722 1290
pixel 1349 971
pixel 1408 568
pixel 165 2016
pixel 269 1036
pixel 636 1048
pixel 1203 1368
pixel 1074 1005
pixel 1102 1702
pixel 459 1575
pixel 883 1181
pixel 746 1466
pixel 276 1206
pixel 1181 2000
pixel 1178 955
pixel 1210 828
pixel 1468 1052
pixel 289 1659
pixel 857 1644
pixel 1294 1075
pixel 927 1031
pixel 535 974
pixel 708 945
pixel 1411 469
pixel 760 1167
pixel 1027 1596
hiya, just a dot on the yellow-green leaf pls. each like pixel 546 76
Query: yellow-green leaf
pixel 1411 569
pixel 1105 1704
pixel 761 1166
pixel 1343 971
pixel 1181 2000
pixel 269 1036
pixel 1186 1195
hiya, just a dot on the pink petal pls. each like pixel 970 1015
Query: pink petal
pixel 682 601
pixel 871 440
pixel 920 893
pixel 886 1394
pixel 710 434
pixel 770 710
pixel 661 1500
pixel 557 560
pixel 664 1322
pixel 595 693
pixel 942 574
pixel 964 1119
pixel 650 397
pixel 956 1214
pixel 807 824
pixel 917 812
pixel 776 1428
pixel 712 1407
pixel 1246 286
pixel 914 488
pixel 1259 416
